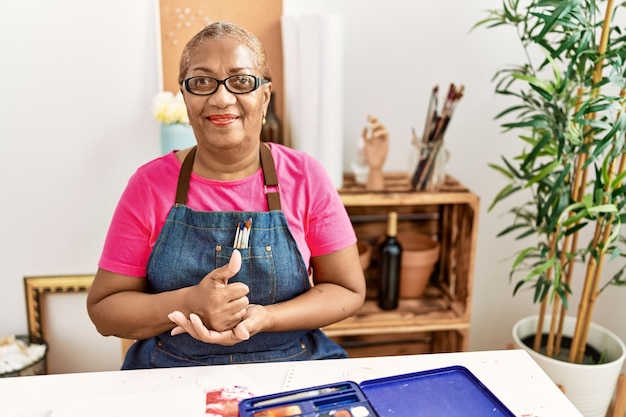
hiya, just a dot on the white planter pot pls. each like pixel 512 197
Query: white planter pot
pixel 589 387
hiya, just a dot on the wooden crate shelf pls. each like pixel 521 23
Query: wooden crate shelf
pixel 439 320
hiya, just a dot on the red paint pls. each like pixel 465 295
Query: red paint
pixel 224 402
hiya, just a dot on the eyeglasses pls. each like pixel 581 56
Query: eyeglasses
pixel 236 84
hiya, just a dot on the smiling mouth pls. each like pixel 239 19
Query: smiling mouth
pixel 221 120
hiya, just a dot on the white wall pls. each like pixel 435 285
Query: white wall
pixel 77 81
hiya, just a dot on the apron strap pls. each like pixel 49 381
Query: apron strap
pixel 184 177
pixel 269 175
pixel 271 180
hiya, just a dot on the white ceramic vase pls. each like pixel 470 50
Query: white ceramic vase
pixel 589 387
pixel 176 136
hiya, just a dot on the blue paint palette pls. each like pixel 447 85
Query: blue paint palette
pixel 444 392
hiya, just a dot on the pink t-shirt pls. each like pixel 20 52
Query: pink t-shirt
pixel 315 213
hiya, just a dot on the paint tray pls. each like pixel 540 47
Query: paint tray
pixel 444 392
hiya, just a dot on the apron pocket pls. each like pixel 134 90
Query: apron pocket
pixel 257 271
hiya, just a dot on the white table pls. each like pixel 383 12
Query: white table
pixel 511 375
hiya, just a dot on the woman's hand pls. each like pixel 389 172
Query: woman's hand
pixel 220 306
pixel 248 327
pixel 196 328
pixel 221 319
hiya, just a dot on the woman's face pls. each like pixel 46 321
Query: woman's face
pixel 225 120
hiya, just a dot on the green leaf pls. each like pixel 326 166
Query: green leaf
pixel 519 285
pixel 512 169
pixel 564 8
pixel 522 256
pixel 576 228
pixel 545 171
pixel 530 232
pixel 542 289
pixel 542 268
pixel 615 234
pixel 535 82
pixel 509 110
pixel 563 296
pixel 615 254
pixel 617 278
pixel 493 18
pixel 553 219
pixel 532 156
pixel 572 207
pixel 603 208
pixel 537 123
pixel 618 179
pixel 553 196
pixel 501 170
pixel 505 192
pixel 510 229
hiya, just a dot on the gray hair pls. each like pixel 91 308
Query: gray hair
pixel 221 30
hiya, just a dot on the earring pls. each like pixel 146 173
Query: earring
pixel 264 120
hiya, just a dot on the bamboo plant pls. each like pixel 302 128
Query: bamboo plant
pixel 569 112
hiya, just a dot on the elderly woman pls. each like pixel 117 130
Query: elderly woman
pixel 233 251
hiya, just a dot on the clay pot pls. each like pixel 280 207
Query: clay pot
pixel 420 254
pixel 365 253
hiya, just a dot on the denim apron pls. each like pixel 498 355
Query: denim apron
pixel 192 243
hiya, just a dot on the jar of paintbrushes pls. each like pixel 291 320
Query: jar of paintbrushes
pixel 428 165
pixel 430 156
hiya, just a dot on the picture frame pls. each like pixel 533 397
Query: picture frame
pixel 35 287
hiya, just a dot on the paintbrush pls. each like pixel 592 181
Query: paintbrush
pixel 431 113
pixel 300 395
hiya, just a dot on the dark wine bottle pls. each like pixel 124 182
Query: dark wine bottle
pixel 389 257
pixel 272 130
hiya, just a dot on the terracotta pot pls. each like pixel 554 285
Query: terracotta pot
pixel 420 253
